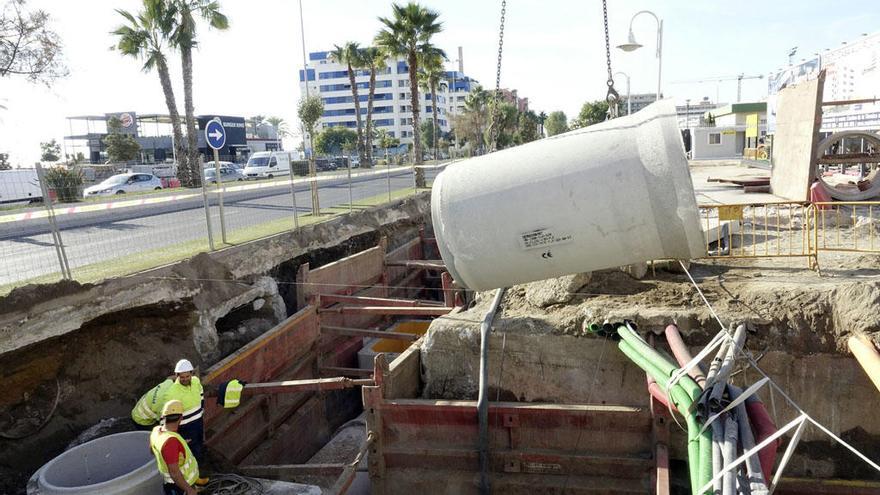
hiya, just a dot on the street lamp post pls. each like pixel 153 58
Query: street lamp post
pixel 628 99
pixel 632 45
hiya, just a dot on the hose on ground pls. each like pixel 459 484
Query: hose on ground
pixel 232 484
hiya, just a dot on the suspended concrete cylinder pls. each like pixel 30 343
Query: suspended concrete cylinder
pixel 119 464
pixel 599 197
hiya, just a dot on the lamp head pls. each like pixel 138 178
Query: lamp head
pixel 631 43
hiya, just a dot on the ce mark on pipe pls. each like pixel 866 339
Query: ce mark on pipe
pixel 547 255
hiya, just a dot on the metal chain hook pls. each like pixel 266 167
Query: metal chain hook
pixel 612 97
pixel 494 127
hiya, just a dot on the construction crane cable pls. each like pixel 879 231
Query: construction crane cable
pixel 494 125
pixel 612 97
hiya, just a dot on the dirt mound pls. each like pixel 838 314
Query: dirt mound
pixel 32 294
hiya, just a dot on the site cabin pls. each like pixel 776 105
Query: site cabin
pixel 269 164
pixel 20 186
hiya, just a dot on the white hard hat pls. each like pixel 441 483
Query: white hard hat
pixel 183 366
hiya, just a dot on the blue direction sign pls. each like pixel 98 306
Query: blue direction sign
pixel 215 134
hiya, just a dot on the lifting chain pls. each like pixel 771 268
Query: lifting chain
pixel 613 98
pixel 494 125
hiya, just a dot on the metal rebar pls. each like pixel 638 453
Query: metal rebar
pixel 483 397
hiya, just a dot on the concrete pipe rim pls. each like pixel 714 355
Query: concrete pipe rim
pixel 873 178
pixel 143 471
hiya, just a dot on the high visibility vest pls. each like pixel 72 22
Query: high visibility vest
pixel 189 467
pixel 232 394
pixel 148 409
pixel 191 397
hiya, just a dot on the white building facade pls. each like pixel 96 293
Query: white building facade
pixel 392 98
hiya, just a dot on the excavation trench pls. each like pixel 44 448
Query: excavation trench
pixel 97 348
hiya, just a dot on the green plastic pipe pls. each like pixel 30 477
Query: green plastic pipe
pixel 665 365
pixel 681 400
pixel 683 395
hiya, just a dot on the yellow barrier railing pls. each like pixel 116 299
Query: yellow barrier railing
pixel 771 230
pixel 848 226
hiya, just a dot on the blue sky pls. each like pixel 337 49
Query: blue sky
pixel 554 53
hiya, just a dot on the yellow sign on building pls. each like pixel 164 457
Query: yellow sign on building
pixel 752 125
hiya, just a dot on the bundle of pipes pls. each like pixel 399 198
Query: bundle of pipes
pixel 697 395
pixel 606 329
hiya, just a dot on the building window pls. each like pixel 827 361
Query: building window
pixel 714 138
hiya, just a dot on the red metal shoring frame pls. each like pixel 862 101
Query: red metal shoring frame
pixel 660 427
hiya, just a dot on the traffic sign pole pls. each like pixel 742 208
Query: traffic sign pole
pixel 220 187
pixel 215 137
pixel 207 204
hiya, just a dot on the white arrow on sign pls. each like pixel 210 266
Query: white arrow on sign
pixel 216 134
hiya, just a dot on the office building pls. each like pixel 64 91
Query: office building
pixel 392 97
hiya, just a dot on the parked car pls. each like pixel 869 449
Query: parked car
pixel 268 164
pixel 227 174
pixel 124 183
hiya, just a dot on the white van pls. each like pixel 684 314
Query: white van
pixel 268 164
pixel 19 186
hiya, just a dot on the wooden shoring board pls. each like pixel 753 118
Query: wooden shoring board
pixel 264 358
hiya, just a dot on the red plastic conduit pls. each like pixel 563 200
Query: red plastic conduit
pixel 763 427
pixel 683 355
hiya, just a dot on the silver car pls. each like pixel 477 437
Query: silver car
pixel 124 183
pixel 227 174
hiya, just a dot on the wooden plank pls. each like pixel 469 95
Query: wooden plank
pixel 369 333
pixel 241 364
pixel 388 310
pixel 291 386
pixel 830 160
pixel 421 264
pixel 267 356
pixel 337 277
pixel 336 371
pixel 327 299
pixel 404 375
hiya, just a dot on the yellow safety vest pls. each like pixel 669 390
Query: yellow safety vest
pixel 232 396
pixel 149 408
pixel 190 396
pixel 189 467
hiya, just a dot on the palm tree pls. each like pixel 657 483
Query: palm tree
pixel 541 118
pixel 280 126
pixel 372 58
pixel 144 36
pixel 184 38
pixel 407 34
pixel 430 78
pixel 255 121
pixel 349 54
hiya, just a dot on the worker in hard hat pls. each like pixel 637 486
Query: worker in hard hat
pixel 175 460
pixel 186 388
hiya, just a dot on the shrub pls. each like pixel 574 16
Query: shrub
pixel 65 182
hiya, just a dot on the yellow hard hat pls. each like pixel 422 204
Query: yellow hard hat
pixel 172 407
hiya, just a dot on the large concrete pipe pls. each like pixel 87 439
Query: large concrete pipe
pixel 603 196
pixel 866 353
pixel 119 464
pixel 870 186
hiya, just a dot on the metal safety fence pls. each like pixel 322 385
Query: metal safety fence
pixel 56 225
pixel 791 229
pixel 772 230
pixel 848 226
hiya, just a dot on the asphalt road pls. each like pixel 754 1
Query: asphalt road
pixel 27 250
